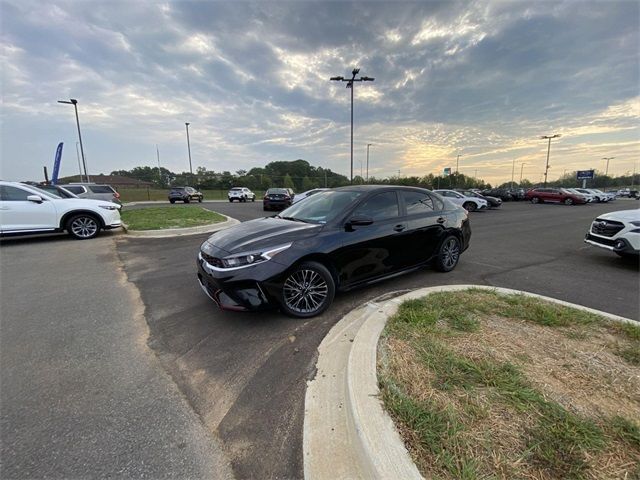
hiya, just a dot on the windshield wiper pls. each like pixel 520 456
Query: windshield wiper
pixel 293 219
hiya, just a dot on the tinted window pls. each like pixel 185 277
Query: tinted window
pixel 100 189
pixel 13 194
pixel 380 207
pixel 278 191
pixel 74 189
pixel 323 207
pixel 417 202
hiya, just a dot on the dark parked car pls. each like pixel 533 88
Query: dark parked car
pixel 554 195
pixel 277 198
pixel 332 241
pixel 501 193
pixel 185 194
pixel 493 202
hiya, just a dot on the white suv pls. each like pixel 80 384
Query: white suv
pixel 470 204
pixel 25 209
pixel 618 232
pixel 241 194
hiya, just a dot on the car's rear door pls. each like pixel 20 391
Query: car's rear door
pixel 425 223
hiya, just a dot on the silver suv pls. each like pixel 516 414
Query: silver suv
pixel 95 191
pixel 241 194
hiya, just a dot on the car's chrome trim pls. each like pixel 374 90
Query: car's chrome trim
pixel 596 244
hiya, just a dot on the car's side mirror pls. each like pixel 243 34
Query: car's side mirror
pixel 35 198
pixel 358 221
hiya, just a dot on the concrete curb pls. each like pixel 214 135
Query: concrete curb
pixel 347 433
pixel 179 232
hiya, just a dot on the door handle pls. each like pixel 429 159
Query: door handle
pixel 441 220
pixel 399 228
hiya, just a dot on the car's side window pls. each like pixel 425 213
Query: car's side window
pixel 417 202
pixel 13 194
pixel 75 189
pixel 380 207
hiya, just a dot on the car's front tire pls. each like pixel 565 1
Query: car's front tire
pixel 568 201
pixel 535 200
pixel 307 291
pixel 469 206
pixel 172 201
pixel 186 200
pixel 448 254
pixel 83 226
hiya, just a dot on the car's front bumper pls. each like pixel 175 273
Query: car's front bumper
pixel 244 289
pixel 618 245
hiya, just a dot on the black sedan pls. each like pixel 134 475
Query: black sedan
pixel 333 241
pixel 185 194
pixel 277 198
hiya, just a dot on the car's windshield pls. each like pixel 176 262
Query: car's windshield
pixel 320 208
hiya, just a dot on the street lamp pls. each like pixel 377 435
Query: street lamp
pixel 606 172
pixel 350 84
pixel 74 102
pixel 368 145
pixel 186 124
pixel 546 170
pixel 521 167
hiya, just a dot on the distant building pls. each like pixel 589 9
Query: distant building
pixel 115 181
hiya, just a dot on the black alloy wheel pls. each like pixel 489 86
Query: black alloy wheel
pixel 448 254
pixel 307 291
pixel 83 226
pixel 469 206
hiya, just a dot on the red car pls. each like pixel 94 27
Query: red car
pixel 554 195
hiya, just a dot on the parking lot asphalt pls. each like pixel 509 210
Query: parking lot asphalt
pixel 244 374
pixel 81 394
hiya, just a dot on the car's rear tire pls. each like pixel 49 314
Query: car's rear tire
pixel 199 199
pixel 186 200
pixel 568 201
pixel 172 201
pixel 469 206
pixel 535 200
pixel 448 254
pixel 83 226
pixel 307 290
pixel 253 199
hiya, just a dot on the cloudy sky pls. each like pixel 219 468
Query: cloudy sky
pixel 480 79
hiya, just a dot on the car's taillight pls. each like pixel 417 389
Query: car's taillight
pixel 287 198
pixel 266 197
pixel 117 195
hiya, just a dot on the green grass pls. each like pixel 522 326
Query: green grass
pixel 560 442
pixel 174 216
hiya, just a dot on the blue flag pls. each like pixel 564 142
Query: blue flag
pixel 56 164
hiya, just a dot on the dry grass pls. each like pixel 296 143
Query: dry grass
pixel 478 394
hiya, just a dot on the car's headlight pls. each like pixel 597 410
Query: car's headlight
pixel 109 207
pixel 636 224
pixel 245 259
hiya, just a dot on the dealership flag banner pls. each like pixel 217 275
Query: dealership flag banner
pixel 56 164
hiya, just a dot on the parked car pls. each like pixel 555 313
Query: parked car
pixel 469 203
pixel 517 193
pixel 554 195
pixel 501 193
pixel 591 198
pixel 618 232
pixel 25 209
pixel 94 191
pixel 602 196
pixel 587 198
pixel 241 194
pixel 493 202
pixel 277 198
pixel 333 241
pixel 185 194
pixel 299 196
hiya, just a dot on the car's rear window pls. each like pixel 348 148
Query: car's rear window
pixel 101 189
pixel 279 191
pixel 177 189
pixel 236 189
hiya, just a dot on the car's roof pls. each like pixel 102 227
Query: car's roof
pixel 370 188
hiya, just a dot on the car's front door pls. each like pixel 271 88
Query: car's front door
pixel 19 214
pixel 374 250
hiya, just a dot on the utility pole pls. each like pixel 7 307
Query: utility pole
pixel 351 84
pixel 159 171
pixel 546 170
pixel 74 102
pixel 513 169
pixel 521 167
pixel 368 145
pixel 189 149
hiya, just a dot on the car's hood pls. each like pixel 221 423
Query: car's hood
pixel 622 215
pixel 261 233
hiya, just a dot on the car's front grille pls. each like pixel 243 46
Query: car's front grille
pixel 216 262
pixel 602 241
pixel 606 228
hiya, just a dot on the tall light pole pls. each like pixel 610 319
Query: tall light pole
pixel 351 84
pixel 79 164
pixel 513 170
pixel 606 172
pixel 521 167
pixel 186 124
pixel 368 145
pixel 546 170
pixel 74 102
